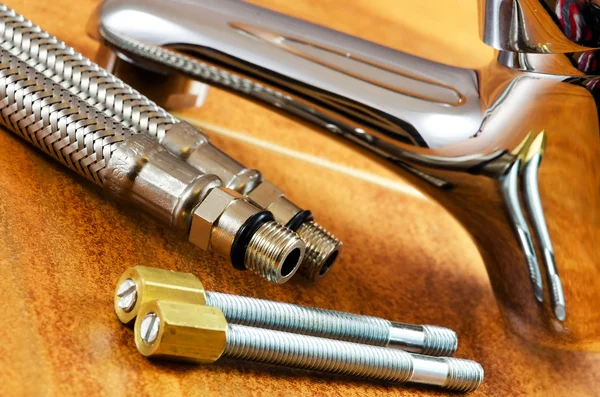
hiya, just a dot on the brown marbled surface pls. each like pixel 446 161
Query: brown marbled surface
pixel 63 246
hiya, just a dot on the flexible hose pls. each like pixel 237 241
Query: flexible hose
pixel 55 121
pixel 80 76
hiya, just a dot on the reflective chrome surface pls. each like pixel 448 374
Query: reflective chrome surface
pixel 541 26
pixel 570 27
pixel 484 143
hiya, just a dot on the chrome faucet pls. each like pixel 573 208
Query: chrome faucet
pixel 541 26
pixel 485 143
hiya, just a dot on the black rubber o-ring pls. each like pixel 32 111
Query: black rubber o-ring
pixel 300 218
pixel 244 235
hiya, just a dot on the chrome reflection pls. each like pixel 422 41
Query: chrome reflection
pixel 378 140
pixel 541 26
pixel 335 59
pixel 570 27
pixel 510 191
pixel 535 210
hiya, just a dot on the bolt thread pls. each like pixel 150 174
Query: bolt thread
pixel 301 319
pixel 322 249
pixel 463 375
pixel 439 341
pixel 317 354
pixel 274 253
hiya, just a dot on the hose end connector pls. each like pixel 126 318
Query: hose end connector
pixel 275 252
pixel 227 223
pixel 322 250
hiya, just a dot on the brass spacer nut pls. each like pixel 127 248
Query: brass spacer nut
pixel 182 331
pixel 157 284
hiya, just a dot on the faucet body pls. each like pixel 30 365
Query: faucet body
pixel 482 142
pixel 541 26
pixel 526 31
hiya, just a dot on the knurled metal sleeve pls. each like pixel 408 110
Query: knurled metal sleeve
pixel 285 317
pixel 55 121
pixel 80 76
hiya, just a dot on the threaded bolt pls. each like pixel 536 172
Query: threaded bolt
pixel 274 252
pixel 425 339
pixel 345 358
pixel 438 341
pixel 322 250
pixel 301 351
pixel 463 374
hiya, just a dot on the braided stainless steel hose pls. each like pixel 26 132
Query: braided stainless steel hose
pixel 142 284
pixel 56 122
pixel 135 169
pixel 180 330
pixel 80 76
pixel 107 93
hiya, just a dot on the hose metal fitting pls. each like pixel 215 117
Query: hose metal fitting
pixel 140 284
pixel 190 144
pixel 184 331
pixel 227 223
pixel 143 173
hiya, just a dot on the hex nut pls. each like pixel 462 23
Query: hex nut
pixel 207 214
pixel 270 197
pixel 186 332
pixel 265 194
pixel 158 284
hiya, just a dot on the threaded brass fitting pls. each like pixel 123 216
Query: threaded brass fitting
pixel 140 284
pixel 181 331
pixel 142 173
pixel 273 255
pixel 322 248
pixel 227 223
pixel 195 148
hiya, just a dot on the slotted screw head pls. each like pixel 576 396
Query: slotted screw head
pixel 127 294
pixel 149 327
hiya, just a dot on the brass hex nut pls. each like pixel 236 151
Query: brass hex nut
pixel 207 214
pixel 140 284
pixel 181 331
